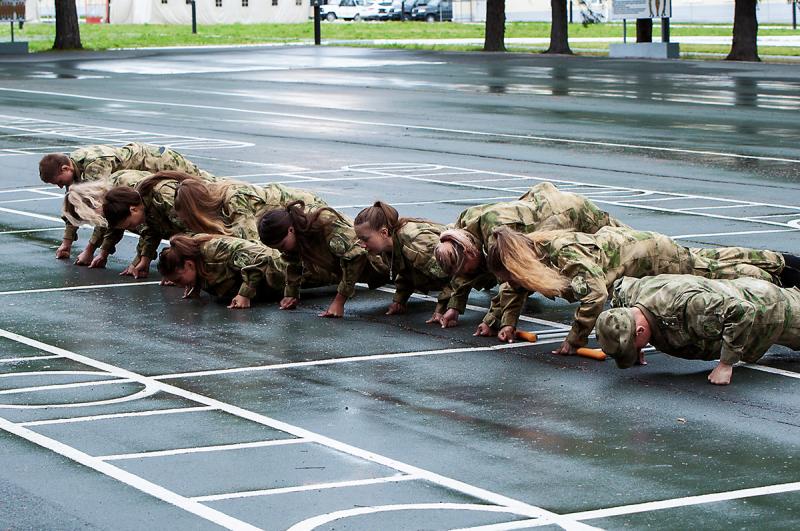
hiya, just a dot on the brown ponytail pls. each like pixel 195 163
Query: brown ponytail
pixel 381 215
pixel 182 248
pixel 514 255
pixel 311 228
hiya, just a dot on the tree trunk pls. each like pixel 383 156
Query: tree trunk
pixel 745 31
pixel 68 33
pixel 495 39
pixel 644 30
pixel 558 28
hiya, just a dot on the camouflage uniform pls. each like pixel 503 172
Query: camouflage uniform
pixel 413 264
pixel 246 203
pixel 592 262
pixel 541 208
pixel 697 318
pixel 235 266
pixel 340 259
pixel 108 238
pixel 735 262
pixel 93 163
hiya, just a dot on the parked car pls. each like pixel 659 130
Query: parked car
pixel 343 9
pixel 379 10
pixel 433 10
pixel 402 9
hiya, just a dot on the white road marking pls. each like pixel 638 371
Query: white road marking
pixel 312 523
pixel 212 515
pixel 91 418
pixel 23 231
pixel 108 135
pixel 506 526
pixel 202 449
pixel 327 118
pixel 82 288
pixel 686 501
pixel 34 389
pixel 302 488
pixel 351 359
pixel 432 477
pixel 28 358
pixel 737 233
pixel 771 370
pixel 27 200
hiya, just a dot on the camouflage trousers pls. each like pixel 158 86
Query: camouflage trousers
pixel 736 262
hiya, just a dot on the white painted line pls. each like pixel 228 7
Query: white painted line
pixel 27 200
pixel 149 413
pixel 30 214
pixel 793 214
pixel 473 307
pixel 82 288
pixel 432 477
pixel 203 449
pixel 34 389
pixel 506 526
pixel 312 523
pixel 771 370
pixel 351 359
pixel 326 118
pixel 23 231
pixel 686 502
pixel 738 233
pixel 738 205
pixel 17 190
pixel 107 135
pixel 477 200
pixel 134 481
pixel 28 358
pixel 303 488
pixel 47 192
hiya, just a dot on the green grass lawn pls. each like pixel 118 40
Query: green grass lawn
pixel 103 37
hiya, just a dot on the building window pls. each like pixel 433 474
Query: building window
pixel 274 2
pixel 218 3
pixel 164 1
pixel 298 2
pixel 245 3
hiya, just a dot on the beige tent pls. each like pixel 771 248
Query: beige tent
pixel 208 11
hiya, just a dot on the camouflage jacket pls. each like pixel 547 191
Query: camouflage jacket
pixel 160 222
pixel 107 238
pixel 697 318
pixel 93 163
pixel 735 262
pixel 338 256
pixel 414 267
pixel 246 203
pixel 235 266
pixel 99 162
pixel 541 208
pixel 591 263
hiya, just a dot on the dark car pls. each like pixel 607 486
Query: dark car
pixel 402 9
pixel 433 10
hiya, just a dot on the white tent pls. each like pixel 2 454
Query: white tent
pixel 32 10
pixel 208 11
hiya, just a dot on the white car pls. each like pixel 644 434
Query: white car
pixel 378 10
pixel 345 10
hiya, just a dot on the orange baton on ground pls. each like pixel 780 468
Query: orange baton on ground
pixel 527 336
pixel 593 353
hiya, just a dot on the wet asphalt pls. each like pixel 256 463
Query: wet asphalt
pixel 432 133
